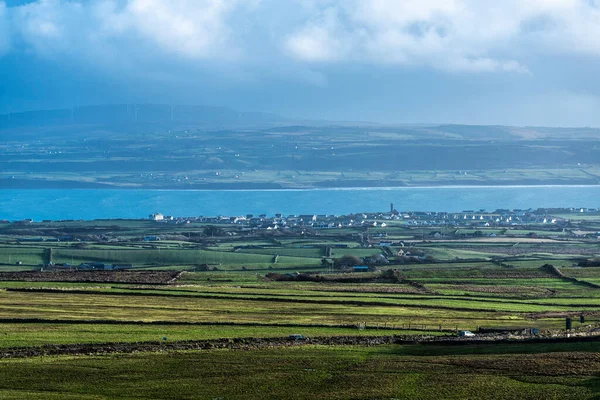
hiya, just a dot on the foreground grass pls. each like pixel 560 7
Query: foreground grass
pixel 524 372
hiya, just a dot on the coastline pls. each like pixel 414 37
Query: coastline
pixel 22 184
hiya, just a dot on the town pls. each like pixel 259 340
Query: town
pixel 558 218
pixel 311 243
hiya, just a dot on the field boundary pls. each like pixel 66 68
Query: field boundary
pixel 373 326
pixel 259 343
pixel 266 299
pixel 558 273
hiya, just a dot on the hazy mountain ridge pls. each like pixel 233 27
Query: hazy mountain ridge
pixel 123 117
pixel 152 117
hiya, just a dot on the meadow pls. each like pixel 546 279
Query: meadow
pixel 254 285
pixel 318 372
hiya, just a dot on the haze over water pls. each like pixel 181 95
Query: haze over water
pixel 105 204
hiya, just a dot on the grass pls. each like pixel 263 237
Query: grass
pixel 236 301
pixel 221 301
pixel 38 334
pixel 355 252
pixel 283 251
pixel 180 256
pixel 445 253
pixel 27 255
pixel 309 372
pixel 582 272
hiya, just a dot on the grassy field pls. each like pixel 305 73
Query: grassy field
pixel 240 286
pixel 461 301
pixel 525 372
pixel 39 334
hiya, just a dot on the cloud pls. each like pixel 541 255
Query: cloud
pixel 322 40
pixel 4 29
pixel 192 29
pixel 472 36
pixel 46 27
pixel 451 35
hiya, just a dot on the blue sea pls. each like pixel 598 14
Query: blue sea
pixel 102 204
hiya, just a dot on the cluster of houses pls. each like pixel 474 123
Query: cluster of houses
pixel 279 221
pixel 482 218
pixel 468 218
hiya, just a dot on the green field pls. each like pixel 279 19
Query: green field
pixel 20 334
pixel 524 372
pixel 260 285
pixel 463 302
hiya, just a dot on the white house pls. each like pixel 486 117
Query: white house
pixel 157 217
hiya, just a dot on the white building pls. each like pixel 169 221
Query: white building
pixel 157 217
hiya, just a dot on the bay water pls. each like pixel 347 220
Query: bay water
pixel 56 204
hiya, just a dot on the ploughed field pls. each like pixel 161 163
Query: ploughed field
pixel 146 277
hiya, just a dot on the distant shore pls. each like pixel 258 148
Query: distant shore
pixel 43 184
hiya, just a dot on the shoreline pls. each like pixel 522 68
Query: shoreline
pixel 362 185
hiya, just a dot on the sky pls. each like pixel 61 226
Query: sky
pixel 510 62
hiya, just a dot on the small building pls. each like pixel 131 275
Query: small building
pixel 308 218
pixel 157 217
pixel 33 239
pixel 92 266
pixel 361 268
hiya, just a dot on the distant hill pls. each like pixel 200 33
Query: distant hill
pixel 514 132
pixel 134 117
pixel 145 118
pixel 191 147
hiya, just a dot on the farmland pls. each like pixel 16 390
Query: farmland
pixel 197 282
pixel 526 372
pixel 193 152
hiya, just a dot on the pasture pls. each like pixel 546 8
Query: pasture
pixel 190 286
pixel 556 371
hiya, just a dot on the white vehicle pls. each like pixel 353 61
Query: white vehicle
pixel 466 334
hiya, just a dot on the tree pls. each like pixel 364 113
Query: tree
pixel 202 267
pixel 347 261
pixel 212 230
